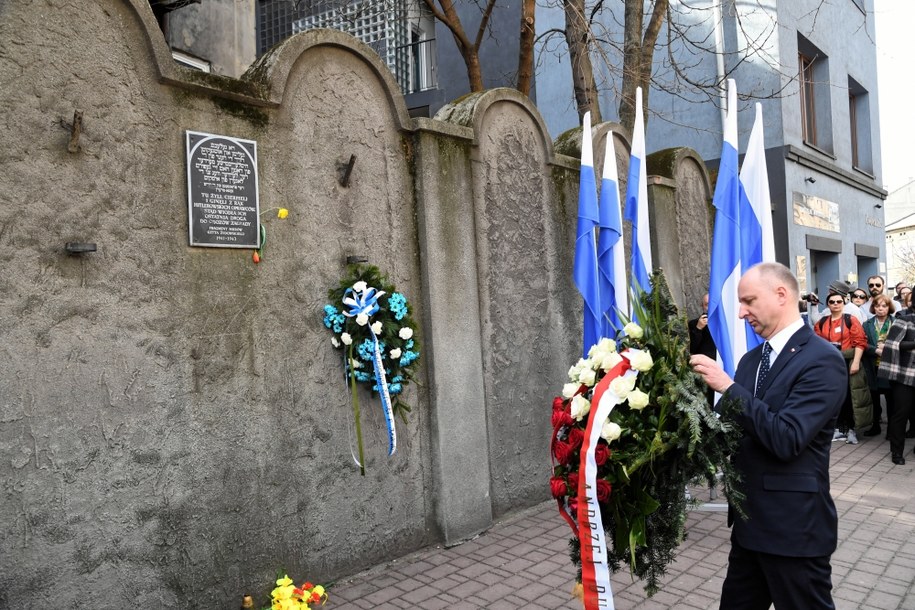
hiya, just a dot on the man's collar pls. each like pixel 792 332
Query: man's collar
pixel 780 339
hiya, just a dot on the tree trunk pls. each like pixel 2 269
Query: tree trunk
pixel 578 38
pixel 470 51
pixel 638 55
pixel 526 50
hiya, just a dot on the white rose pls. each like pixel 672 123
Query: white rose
pixel 587 377
pixel 577 368
pixel 633 330
pixel 362 319
pixel 610 361
pixel 640 359
pixel 601 349
pixel 346 338
pixel 580 407
pixel 376 327
pixel 610 431
pixel 638 399
pixel 607 345
pixel 573 373
pixel 622 385
pixel 360 286
pixel 405 333
pixel 395 353
pixel 569 389
pixel 334 342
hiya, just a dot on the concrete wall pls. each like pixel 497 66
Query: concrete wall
pixel 174 425
pixel 221 31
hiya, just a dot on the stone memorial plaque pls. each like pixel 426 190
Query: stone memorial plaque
pixel 222 195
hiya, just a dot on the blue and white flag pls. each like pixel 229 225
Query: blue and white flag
pixel 637 202
pixel 727 329
pixel 584 268
pixel 757 243
pixel 754 183
pixel 611 257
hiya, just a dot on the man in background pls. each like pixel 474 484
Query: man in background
pixel 875 285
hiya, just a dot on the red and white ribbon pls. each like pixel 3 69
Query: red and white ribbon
pixel 595 568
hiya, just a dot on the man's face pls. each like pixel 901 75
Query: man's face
pixel 875 286
pixel 761 303
pixel 705 304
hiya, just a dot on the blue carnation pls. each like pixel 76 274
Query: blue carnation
pixel 408 357
pixel 408 344
pixel 395 388
pixel 362 376
pixel 367 350
pixel 397 303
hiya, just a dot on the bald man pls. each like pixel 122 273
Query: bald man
pixel 790 390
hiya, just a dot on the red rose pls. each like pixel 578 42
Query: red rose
pixel 557 403
pixel 601 454
pixel 603 490
pixel 573 507
pixel 576 437
pixel 562 452
pixel 557 487
pixel 573 483
pixel 561 418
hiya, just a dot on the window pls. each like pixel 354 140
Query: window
pixel 808 95
pixel 859 126
pixel 816 109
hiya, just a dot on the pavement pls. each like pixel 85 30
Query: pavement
pixel 522 561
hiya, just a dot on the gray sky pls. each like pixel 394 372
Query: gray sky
pixel 894 23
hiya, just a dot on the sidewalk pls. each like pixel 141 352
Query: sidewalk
pixel 522 561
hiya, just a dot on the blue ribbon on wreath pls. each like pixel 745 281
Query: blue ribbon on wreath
pixel 367 303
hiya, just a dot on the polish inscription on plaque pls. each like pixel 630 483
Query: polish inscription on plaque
pixel 222 191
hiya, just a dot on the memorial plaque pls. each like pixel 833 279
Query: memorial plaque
pixel 222 196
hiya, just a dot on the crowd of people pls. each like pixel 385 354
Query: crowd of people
pixel 875 333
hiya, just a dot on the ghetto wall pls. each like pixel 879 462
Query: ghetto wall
pixel 174 425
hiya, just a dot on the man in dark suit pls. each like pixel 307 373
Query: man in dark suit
pixel 791 389
pixel 700 338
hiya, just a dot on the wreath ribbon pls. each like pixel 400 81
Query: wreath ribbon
pixel 595 567
pixel 366 304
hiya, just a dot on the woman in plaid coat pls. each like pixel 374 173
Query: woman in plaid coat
pixel 897 364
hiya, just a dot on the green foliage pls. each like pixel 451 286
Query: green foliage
pixel 676 441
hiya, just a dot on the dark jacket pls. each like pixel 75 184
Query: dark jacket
pixel 784 453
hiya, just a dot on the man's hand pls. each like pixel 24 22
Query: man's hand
pixel 702 322
pixel 711 372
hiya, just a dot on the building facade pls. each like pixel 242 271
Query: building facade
pixel 812 66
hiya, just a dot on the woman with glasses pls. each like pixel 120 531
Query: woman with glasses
pixel 897 364
pixel 876 329
pixel 846 333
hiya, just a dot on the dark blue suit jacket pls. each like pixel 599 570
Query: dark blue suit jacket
pixel 784 453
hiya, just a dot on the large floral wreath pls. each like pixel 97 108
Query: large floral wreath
pixel 660 438
pixel 373 328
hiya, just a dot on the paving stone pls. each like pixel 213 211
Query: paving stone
pixel 522 561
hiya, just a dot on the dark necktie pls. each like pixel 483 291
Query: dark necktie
pixel 764 366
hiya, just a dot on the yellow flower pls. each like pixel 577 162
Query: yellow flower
pixel 285 581
pixel 282 213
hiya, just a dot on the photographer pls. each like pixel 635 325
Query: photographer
pixel 845 332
